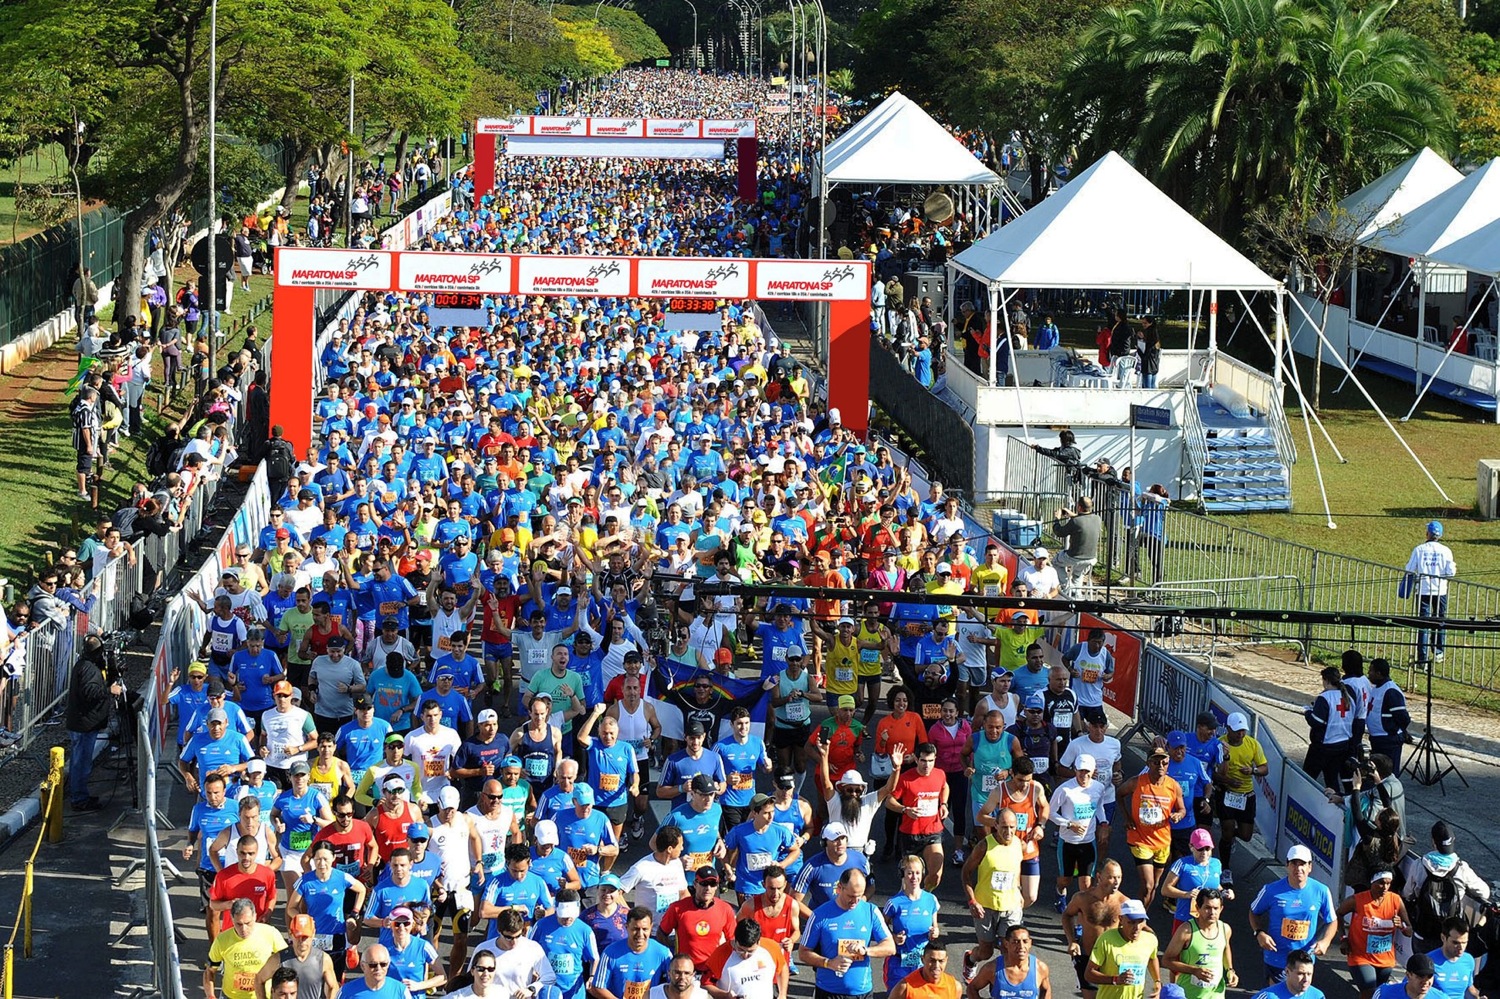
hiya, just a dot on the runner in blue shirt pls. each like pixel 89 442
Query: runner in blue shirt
pixel 758 843
pixel 297 814
pixel 776 636
pixel 1295 913
pixel 743 753
pixel 361 742
pixel 699 820
pixel 842 937
pixel 614 774
pixel 457 714
pixel 1297 980
pixel 817 884
pixel 395 888
pixel 631 968
pixel 217 751
pixel 211 816
pixel 325 894
pixel 1200 869
pixel 911 916
pixel 1420 972
pixel 568 943
pixel 587 834
pixel 255 670
pixel 516 887
pixel 1193 777
pixel 1454 967
pixel 689 763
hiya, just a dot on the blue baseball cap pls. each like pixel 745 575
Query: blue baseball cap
pixel 418 830
pixel 609 880
pixel 583 794
pixel 511 761
pixel 1177 739
pixel 1036 700
pixel 1435 528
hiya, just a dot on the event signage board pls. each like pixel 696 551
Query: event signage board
pixel 821 281
pixel 548 275
pixel 672 128
pixel 482 272
pixel 519 124
pixel 1310 820
pixel 578 126
pixel 307 267
pixel 573 127
pixel 741 128
pixel 617 128
pixel 692 277
pixel 1271 805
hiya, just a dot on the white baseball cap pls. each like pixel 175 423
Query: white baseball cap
pixel 1085 762
pixel 1237 722
pixel 1299 852
pixel 545 833
pixel 448 797
pixel 835 830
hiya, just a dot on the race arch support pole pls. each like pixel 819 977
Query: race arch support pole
pixel 484 164
pixel 293 320
pixel 849 363
pixel 747 154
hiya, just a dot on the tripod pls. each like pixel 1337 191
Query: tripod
pixel 1424 764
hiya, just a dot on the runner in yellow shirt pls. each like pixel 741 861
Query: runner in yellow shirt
pixel 239 954
pixel 1123 962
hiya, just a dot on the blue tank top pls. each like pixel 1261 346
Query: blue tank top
pixel 537 757
pixel 990 760
pixel 1003 989
pixel 791 818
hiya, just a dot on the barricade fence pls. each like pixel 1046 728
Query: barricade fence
pixel 1247 569
pixel 50 796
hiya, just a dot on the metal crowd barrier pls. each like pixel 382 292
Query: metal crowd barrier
pixel 50 829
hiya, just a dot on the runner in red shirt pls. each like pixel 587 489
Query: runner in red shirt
pixel 354 846
pixel 701 922
pixel 247 879
pixel 920 797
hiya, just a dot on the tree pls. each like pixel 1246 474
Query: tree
pixel 632 38
pixel 1227 104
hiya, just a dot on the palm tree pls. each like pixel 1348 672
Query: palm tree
pixel 1227 103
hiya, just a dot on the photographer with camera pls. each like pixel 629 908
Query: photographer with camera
pixel 91 695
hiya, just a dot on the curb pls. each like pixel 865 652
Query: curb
pixel 14 821
pixel 1466 745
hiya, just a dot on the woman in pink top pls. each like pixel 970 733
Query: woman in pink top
pixel 950 734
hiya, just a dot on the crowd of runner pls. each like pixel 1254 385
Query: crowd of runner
pixel 488 708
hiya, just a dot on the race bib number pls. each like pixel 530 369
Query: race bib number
pixel 869 655
pixel 445 642
pixel 609 783
pixel 778 653
pixel 1379 943
pixel 1040 764
pixel 1023 822
pixel 1236 800
pixel 914 629
pixel 989 782
pixel 911 959
pixel 433 768
pixel 564 964
pixel 1062 720
pixel 536 766
pixel 844 674
pixel 931 711
pixel 758 861
pixel 697 860
pixel 490 860
pixel 244 981
pixel 1137 972
pixel 300 841
pixel 389 608
pixel 1296 930
pixel 1083 812
pixel 852 949
pixel 1090 675
pixel 1151 813
pixel 1002 880
pixel 388 497
pixel 798 711
pixel 323 940
pixel 637 990
pixel 927 807
pixel 741 782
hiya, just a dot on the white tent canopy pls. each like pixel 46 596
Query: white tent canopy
pixel 899 143
pixel 1110 228
pixel 1479 251
pixel 1395 194
pixel 1468 205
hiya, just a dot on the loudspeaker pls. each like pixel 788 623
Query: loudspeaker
pixel 922 284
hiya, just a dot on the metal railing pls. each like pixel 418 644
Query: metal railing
pixel 1194 445
pixel 50 794
pixel 166 963
pixel 1261 392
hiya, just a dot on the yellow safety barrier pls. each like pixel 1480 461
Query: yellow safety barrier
pixel 51 829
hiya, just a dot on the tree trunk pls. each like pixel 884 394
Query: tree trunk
pixel 401 144
pixel 296 168
pixel 173 186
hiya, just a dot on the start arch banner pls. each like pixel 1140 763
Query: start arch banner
pixel 300 271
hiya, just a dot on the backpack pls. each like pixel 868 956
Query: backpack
pixel 279 461
pixel 1439 898
pixel 159 455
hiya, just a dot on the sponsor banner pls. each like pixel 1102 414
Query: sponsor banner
pixel 1314 823
pixel 556 125
pixel 618 128
pixel 673 128
pixel 735 128
pixel 519 124
pixel 668 277
pixel 545 275
pixel 1120 689
pixel 478 272
pixel 778 109
pixel 299 267
pixel 814 280
pixel 1271 805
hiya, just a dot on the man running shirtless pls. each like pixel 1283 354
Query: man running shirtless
pixel 1094 910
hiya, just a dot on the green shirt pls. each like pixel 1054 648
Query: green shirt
pixel 298 623
pixel 548 682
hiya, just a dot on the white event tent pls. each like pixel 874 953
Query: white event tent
pixel 1108 228
pixel 1394 194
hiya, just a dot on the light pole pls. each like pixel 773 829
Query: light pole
pixel 212 302
pixel 349 175
pixel 694 49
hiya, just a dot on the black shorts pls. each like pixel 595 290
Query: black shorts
pixel 617 813
pixel 784 737
pixel 448 909
pixel 1090 713
pixel 1075 860
pixel 912 843
pixel 732 816
pixel 296 674
pixel 1080 965
pixel 1227 814
pixel 205 882
pixel 85 463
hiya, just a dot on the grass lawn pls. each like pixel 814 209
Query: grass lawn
pixel 1379 498
pixel 46 165
pixel 39 507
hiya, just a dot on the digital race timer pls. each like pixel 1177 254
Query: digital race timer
pixel 693 305
pixel 457 300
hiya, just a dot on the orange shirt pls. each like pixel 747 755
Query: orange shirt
pixel 908 732
pixel 716 961
pixel 1372 932
pixel 918 987
pixel 1152 806
pixel 826 610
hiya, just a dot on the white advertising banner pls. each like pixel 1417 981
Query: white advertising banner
pixel 665 277
pixel 519 124
pixel 355 270
pixel 736 128
pixel 1269 793
pixel 547 275
pixel 618 128
pixel 478 272
pixel 817 280
pixel 1310 820
pixel 672 128
pixel 552 125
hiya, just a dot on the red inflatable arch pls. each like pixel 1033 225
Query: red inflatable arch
pixel 844 284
